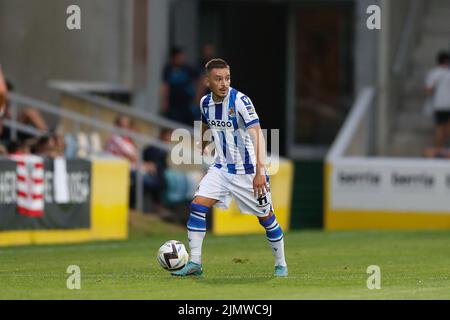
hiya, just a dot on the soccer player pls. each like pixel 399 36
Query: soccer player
pixel 239 169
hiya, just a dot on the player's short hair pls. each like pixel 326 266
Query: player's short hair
pixel 443 57
pixel 216 64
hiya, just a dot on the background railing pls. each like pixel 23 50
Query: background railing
pixel 401 70
pixel 408 36
pixel 16 126
pixel 82 92
pixel 141 140
pixel 357 134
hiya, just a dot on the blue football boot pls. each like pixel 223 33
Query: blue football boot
pixel 280 271
pixel 190 269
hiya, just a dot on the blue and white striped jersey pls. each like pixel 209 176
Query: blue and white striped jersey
pixel 229 122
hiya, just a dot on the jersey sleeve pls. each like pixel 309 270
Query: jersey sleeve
pixel 431 79
pixel 203 118
pixel 247 111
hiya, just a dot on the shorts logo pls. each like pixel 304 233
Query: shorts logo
pixel 262 201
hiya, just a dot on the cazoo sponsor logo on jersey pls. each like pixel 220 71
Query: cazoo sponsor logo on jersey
pixel 220 124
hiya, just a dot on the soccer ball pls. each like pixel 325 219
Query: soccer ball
pixel 172 255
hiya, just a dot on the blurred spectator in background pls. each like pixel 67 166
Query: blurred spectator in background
pixel 27 116
pixel 60 143
pixel 3 151
pixel 43 146
pixel 179 88
pixel 3 93
pixel 208 53
pixel 438 88
pixel 437 153
pixel 121 145
pixel 31 117
pixel 173 188
pixel 48 146
pixel 17 147
pixel 156 161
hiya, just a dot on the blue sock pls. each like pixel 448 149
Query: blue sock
pixel 275 236
pixel 196 226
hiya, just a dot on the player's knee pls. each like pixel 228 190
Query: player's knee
pixel 266 218
pixel 203 202
pixel 197 200
pixel 199 207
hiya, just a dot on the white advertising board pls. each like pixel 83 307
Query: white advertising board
pixel 390 185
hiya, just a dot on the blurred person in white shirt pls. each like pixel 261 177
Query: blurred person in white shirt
pixel 437 85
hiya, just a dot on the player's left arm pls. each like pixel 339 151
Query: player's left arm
pixel 251 120
pixel 259 182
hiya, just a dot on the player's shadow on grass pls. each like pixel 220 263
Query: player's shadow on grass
pixel 233 279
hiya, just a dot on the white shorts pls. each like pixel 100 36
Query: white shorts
pixel 222 186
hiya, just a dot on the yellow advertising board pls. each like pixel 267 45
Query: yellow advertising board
pixel 108 210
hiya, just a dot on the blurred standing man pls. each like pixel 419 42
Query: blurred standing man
pixel 178 88
pixel 208 53
pixel 438 87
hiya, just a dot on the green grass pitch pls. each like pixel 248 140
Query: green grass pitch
pixel 322 265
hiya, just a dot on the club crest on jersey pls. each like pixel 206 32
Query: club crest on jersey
pixel 231 113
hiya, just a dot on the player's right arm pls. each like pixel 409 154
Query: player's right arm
pixel 205 142
pixel 204 128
